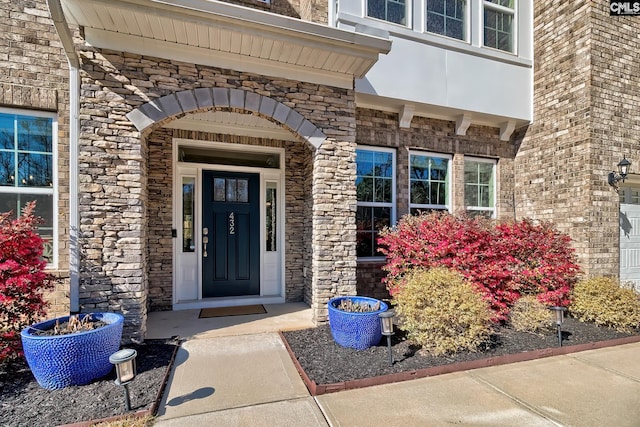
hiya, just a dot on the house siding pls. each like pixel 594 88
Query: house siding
pixel 35 76
pixel 586 93
pixel 125 218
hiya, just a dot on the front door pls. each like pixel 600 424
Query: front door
pixel 230 234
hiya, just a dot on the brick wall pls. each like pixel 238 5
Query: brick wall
pixel 34 75
pixel 307 10
pixel 378 128
pixel 586 95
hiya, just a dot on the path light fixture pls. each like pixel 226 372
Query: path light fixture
pixel 559 320
pixel 386 322
pixel 125 363
pixel 621 175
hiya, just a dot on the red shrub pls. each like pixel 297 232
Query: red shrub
pixel 503 260
pixel 22 279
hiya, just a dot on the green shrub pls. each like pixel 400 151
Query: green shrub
pixel 603 301
pixel 441 311
pixel 528 314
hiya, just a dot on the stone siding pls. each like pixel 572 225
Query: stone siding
pixel 119 239
pixel 307 10
pixel 34 76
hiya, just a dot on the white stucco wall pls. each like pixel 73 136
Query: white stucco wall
pixel 441 72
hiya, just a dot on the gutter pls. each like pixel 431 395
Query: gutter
pixel 66 38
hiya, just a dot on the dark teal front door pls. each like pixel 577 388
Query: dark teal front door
pixel 230 234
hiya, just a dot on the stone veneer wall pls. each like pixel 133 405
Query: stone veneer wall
pixel 117 199
pixel 34 75
pixel 308 10
pixel 586 98
pixel 378 128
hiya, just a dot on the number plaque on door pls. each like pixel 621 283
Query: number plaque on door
pixel 232 223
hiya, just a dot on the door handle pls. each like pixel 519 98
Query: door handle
pixel 205 240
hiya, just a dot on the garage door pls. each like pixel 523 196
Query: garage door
pixel 630 236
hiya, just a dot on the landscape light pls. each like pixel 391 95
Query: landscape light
pixel 125 363
pixel 386 322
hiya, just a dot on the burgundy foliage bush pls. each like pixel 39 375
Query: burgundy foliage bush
pixel 22 279
pixel 503 260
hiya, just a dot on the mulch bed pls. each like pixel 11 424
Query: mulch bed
pixel 326 367
pixel 24 403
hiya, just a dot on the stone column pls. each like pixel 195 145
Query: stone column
pixel 333 221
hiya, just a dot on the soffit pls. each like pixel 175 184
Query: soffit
pixel 220 34
pixel 231 123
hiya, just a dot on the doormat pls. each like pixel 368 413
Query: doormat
pixel 242 310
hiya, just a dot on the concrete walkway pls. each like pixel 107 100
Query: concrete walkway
pixel 249 380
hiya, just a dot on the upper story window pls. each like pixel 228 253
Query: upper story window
pixel 27 166
pixel 429 182
pixel 375 184
pixel 447 18
pixel 499 24
pixel 388 10
pixel 479 186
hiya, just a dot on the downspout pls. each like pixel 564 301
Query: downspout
pixel 66 38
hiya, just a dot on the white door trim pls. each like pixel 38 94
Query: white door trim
pixel 188 294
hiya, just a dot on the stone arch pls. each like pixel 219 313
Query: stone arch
pixel 188 101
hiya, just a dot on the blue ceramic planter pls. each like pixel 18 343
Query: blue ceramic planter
pixel 74 359
pixel 355 330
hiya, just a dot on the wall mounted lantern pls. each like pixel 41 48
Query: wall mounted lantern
pixel 386 323
pixel 623 170
pixel 125 362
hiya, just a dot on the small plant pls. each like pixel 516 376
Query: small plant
pixel 74 324
pixel 528 314
pixel 441 311
pixel 603 301
pixel 22 279
pixel 358 307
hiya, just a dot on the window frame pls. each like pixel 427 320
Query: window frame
pixel 429 154
pixel 391 205
pixel 488 5
pixel 466 22
pixel 53 190
pixel 493 187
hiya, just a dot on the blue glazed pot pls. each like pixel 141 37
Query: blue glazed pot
pixel 355 330
pixel 74 359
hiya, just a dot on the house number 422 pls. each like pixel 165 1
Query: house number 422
pixel 232 223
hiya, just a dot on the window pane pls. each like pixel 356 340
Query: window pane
pixel 388 10
pixel 7 168
pixel 479 186
pixel 363 219
pixel 188 203
pixel 243 190
pixel 35 170
pixel 271 218
pixel 34 134
pixel 364 189
pixel 383 191
pixel 429 180
pixel 231 190
pixel 498 30
pixel 7 131
pixel 505 3
pixel 446 17
pixel 219 189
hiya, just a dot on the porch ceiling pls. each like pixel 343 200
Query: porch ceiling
pixel 227 122
pixel 220 34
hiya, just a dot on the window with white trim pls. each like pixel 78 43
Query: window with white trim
pixel 429 182
pixel 388 10
pixel 27 168
pixel 447 18
pixel 479 186
pixel 375 189
pixel 499 24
